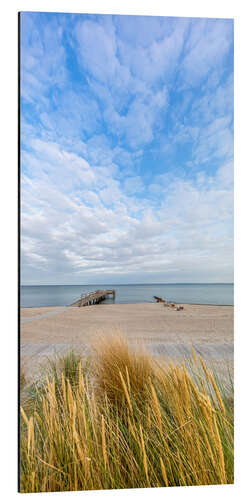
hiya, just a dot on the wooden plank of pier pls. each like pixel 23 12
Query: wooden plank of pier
pixel 92 298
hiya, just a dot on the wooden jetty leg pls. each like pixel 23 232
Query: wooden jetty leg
pixel 92 298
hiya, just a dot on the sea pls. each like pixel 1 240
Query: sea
pixel 186 293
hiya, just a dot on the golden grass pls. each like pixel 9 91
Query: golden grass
pixel 22 379
pixel 118 371
pixel 119 420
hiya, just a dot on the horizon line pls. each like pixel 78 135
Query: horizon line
pixel 131 284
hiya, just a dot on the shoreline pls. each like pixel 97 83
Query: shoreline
pixel 130 304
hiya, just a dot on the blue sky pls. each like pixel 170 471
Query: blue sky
pixel 126 149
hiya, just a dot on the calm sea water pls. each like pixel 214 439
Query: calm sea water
pixel 61 295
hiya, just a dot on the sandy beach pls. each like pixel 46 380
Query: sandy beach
pixel 164 332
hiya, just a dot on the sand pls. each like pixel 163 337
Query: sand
pixel 147 322
pixel 164 332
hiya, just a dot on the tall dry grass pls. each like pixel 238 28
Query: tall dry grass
pixel 119 420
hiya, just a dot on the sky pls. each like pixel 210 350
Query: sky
pixel 126 149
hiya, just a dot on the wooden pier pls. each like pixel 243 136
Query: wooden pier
pixel 91 298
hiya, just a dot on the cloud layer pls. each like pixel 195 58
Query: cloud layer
pixel 126 149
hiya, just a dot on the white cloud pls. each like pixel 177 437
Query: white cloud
pixel 96 230
pixel 216 102
pixel 215 141
pixel 43 58
pixel 208 43
pixel 131 106
pixel 97 49
pixel 73 114
pixel 158 59
pixel 133 185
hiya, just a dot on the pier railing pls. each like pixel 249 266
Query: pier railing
pixel 92 298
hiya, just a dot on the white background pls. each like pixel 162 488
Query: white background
pixel 8 234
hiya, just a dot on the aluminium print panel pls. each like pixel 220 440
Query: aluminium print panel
pixel 126 252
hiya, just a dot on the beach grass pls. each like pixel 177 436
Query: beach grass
pixel 119 419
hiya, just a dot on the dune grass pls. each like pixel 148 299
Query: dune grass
pixel 120 420
pixel 22 378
